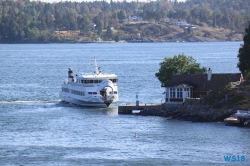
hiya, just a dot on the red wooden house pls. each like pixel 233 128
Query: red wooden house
pixel 198 85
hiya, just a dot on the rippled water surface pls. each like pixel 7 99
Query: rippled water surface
pixel 36 129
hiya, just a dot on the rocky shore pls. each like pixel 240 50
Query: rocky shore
pixel 192 110
pixel 213 108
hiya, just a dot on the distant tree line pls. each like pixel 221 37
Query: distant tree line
pixel 25 20
pixel 230 14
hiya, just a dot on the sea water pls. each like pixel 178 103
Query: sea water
pixel 36 129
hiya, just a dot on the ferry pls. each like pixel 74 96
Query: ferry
pixel 91 90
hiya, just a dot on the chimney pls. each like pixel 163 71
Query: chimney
pixel 209 74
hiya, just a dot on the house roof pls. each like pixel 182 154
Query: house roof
pixel 200 82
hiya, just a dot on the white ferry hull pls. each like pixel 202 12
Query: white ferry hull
pixel 90 90
pixel 85 104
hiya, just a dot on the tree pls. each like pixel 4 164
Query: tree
pixel 180 64
pixel 109 33
pixel 83 24
pixel 244 55
pixel 121 15
pixel 117 37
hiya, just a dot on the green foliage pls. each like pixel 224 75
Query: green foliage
pixel 237 100
pixel 117 37
pixel 83 24
pixel 121 15
pixel 180 64
pixel 217 105
pixel 16 16
pixel 244 55
pixel 109 33
pixel 218 13
pixel 33 34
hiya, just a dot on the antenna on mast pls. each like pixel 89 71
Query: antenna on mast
pixel 97 68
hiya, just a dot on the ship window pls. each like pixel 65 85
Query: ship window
pixel 95 81
pixel 114 80
pixel 65 90
pixel 115 92
pixel 82 81
pixel 95 93
pixel 90 93
pixel 86 81
pixel 90 81
pixel 100 81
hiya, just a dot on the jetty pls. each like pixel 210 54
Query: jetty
pixel 138 107
pixel 130 108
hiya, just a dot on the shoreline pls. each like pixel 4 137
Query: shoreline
pixel 112 42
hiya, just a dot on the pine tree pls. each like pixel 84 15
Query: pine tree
pixel 244 55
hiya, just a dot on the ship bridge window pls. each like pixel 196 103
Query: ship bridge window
pixel 95 81
pixel 114 80
pixel 91 81
pixel 86 81
pixel 99 81
pixel 81 81
pixel 115 92
pixel 92 93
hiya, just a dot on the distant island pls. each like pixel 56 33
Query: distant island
pixel 25 21
pixel 176 34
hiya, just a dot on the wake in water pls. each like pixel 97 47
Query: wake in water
pixel 29 101
pixel 54 103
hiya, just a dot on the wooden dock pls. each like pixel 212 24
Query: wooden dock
pixel 129 108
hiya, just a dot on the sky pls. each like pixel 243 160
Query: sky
pixel 51 1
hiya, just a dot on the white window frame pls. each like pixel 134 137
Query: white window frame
pixel 172 92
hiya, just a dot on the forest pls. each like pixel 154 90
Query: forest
pixel 36 21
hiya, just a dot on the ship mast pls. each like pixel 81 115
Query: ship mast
pixel 97 68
